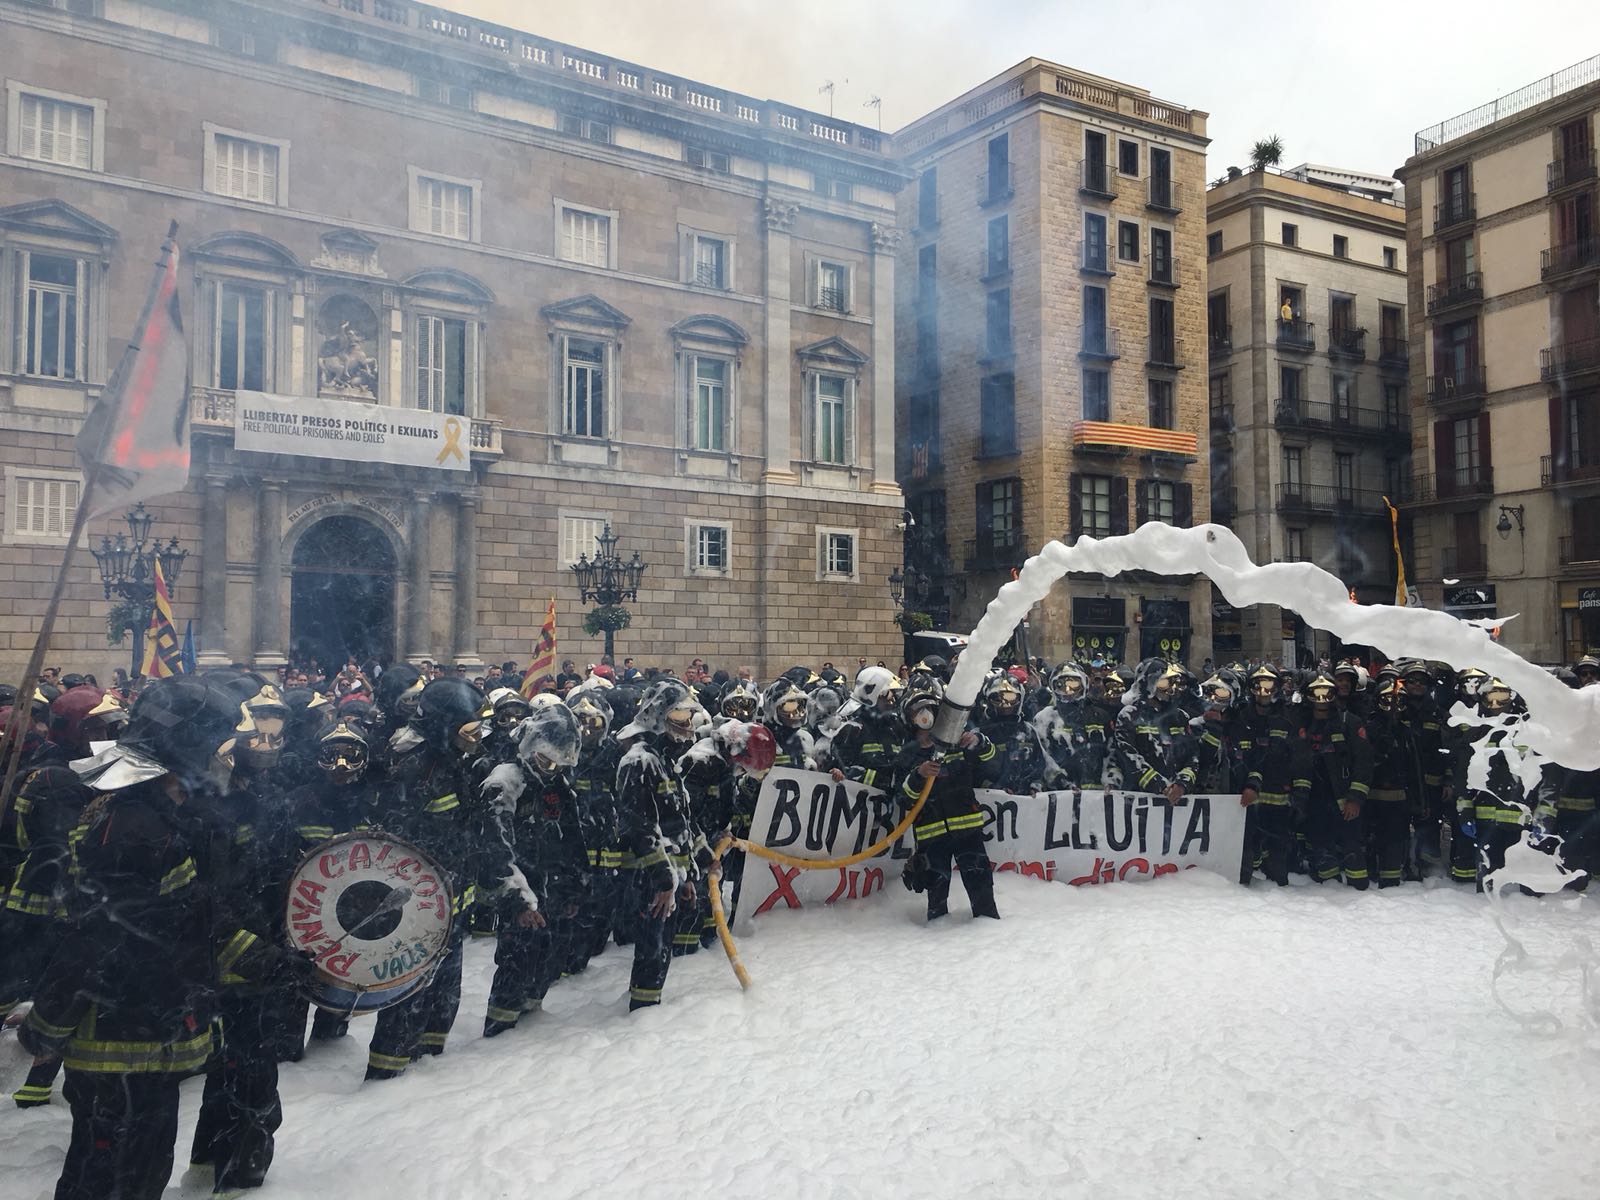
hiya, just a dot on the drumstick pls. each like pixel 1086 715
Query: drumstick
pixel 395 899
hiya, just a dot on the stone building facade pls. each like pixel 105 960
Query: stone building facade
pixel 1051 329
pixel 1310 415
pixel 1505 371
pixel 650 301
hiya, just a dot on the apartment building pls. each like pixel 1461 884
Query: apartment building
pixel 1050 331
pixel 1310 414
pixel 646 302
pixel 1505 369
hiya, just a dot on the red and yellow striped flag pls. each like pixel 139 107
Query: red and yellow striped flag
pixel 1399 559
pixel 543 665
pixel 162 655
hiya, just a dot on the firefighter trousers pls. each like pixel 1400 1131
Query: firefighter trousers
pixel 969 855
pixel 1389 834
pixel 124 1128
pixel 421 1022
pixel 1272 827
pixel 1336 845
pixel 652 946
pixel 239 1109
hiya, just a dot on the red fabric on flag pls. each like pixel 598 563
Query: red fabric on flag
pixel 543 664
pixel 162 655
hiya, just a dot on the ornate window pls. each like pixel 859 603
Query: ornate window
pixel 445 206
pixel 446 328
pixel 586 235
pixel 708 356
pixel 245 281
pixel 246 166
pixel 586 344
pixel 830 375
pixel 53 260
pixel 53 127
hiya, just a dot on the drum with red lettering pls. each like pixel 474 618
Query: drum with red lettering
pixel 374 912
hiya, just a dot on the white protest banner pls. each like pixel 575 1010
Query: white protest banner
pixel 347 429
pixel 1088 837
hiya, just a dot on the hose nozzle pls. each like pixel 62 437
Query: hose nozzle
pixel 950 724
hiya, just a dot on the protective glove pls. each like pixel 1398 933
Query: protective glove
pixel 1469 827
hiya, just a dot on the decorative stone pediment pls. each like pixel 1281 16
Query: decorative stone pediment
pixel 246 249
pixel 449 284
pixel 55 217
pixel 834 351
pixel 351 252
pixel 707 327
pixel 587 310
pixel 779 215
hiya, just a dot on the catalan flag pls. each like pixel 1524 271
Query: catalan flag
pixel 1399 560
pixel 543 665
pixel 162 657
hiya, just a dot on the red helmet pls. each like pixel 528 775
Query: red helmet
pixel 758 751
pixel 67 715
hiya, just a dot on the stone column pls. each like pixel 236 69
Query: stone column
pixel 213 609
pixel 885 241
pixel 466 568
pixel 779 217
pixel 268 650
pixel 419 577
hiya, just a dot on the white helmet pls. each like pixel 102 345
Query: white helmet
pixel 873 683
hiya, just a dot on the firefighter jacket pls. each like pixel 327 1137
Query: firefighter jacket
pixel 49 808
pixel 550 844
pixel 952 808
pixel 1396 764
pixel 659 837
pixel 1076 737
pixel 1426 722
pixel 594 780
pixel 1504 801
pixel 131 989
pixel 1564 790
pixel 1211 748
pixel 1019 765
pixel 794 746
pixel 866 746
pixel 427 798
pixel 1266 741
pixel 1149 743
pixel 711 782
pixel 321 809
pixel 1332 758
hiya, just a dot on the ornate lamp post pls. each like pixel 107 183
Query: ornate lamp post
pixel 607 580
pixel 128 568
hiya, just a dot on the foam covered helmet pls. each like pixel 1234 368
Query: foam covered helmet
pixel 1069 683
pixel 548 741
pixel 509 707
pixel 873 684
pixel 740 698
pixel 784 703
pixel 749 745
pixel 590 706
pixel 1002 697
pixel 450 715
pixel 660 698
pixel 1495 697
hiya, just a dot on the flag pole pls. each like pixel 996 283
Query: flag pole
pixel 12 739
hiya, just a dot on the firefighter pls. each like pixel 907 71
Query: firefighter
pixel 1151 736
pixel 1074 729
pixel 1427 724
pixel 866 747
pixel 1020 764
pixel 1491 818
pixel 1266 736
pixel 594 780
pixel 1397 791
pixel 1332 776
pixel 949 829
pixel 1566 818
pixel 713 770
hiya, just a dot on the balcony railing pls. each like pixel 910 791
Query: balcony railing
pixel 1224 504
pixel 1464 561
pixel 1220 341
pixel 1458 210
pixel 994 185
pixel 1096 179
pixel 1565 470
pixel 211 410
pixel 1097 259
pixel 999 552
pixel 1100 342
pixel 1393 352
pixel 1164 271
pixel 1463 483
pixel 1296 335
pixel 1566 359
pixel 1570 169
pixel 1570 258
pixel 1458 385
pixel 1163 195
pixel 1115 437
pixel 1221 417
pixel 1166 353
pixel 1338 418
pixel 1573 550
pixel 831 298
pixel 1449 293
pixel 1326 499
pixel 1347 343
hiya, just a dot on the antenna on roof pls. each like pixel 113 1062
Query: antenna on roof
pixel 877 103
pixel 828 87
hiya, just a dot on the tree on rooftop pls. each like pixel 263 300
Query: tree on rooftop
pixel 1268 152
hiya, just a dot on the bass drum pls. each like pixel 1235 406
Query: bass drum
pixel 374 912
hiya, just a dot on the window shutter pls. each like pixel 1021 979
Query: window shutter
pixel 19 302
pixel 474 404
pixel 1484 456
pixel 985 521
pixel 1119 504
pixel 1558 433
pixel 1018 525
pixel 1183 505
pixel 813 284
pixel 1444 452
pixel 1141 502
pixel 1074 505
pixel 850 421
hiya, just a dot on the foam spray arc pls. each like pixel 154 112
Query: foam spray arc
pixel 1562 725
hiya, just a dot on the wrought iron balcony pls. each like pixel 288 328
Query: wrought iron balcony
pixel 1339 418
pixel 1095 178
pixel 1567 360
pixel 1163 195
pixel 1458 385
pixel 1100 342
pixel 1222 418
pixel 994 185
pixel 1296 335
pixel 1330 500
pixel 1457 210
pixel 1393 352
pixel 1452 293
pixel 1344 342
pixel 1166 353
pixel 1464 483
pixel 1098 259
pixel 1569 259
pixel 1570 170
pixel 1164 271
pixel 1113 437
pixel 1557 471
pixel 1574 550
pixel 1464 561
pixel 1220 341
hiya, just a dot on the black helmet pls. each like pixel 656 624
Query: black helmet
pixel 450 715
pixel 740 699
pixel 392 685
pixel 184 724
pixel 784 703
pixel 666 707
pixel 263 716
pixel 592 707
pixel 343 753
pixel 935 664
pixel 547 741
pixel 361 715
pixel 624 701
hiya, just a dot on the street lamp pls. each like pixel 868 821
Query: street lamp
pixel 1508 512
pixel 608 581
pixel 128 568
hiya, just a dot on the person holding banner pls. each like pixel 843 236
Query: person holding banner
pixel 949 830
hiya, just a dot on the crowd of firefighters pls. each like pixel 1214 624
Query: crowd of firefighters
pixel 148 845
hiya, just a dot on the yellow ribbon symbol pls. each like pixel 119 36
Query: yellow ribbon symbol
pixel 452 441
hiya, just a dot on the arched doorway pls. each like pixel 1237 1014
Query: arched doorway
pixel 341 597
